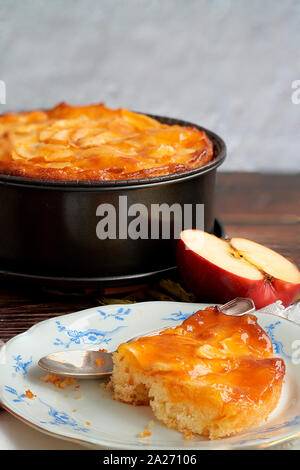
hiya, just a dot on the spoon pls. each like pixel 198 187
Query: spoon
pixel 83 364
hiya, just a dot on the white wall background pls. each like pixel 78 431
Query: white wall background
pixel 227 65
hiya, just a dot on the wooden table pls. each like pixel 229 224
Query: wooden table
pixel 264 208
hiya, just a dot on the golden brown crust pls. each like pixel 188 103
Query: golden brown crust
pixel 97 143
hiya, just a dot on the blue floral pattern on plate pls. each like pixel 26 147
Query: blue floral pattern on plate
pixel 87 337
pixel 277 345
pixel 20 365
pixel 178 316
pixel 120 314
pixel 18 397
pixel 61 418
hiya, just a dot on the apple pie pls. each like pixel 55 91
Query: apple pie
pixel 214 375
pixel 97 143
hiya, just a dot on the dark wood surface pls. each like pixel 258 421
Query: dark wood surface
pixel 265 208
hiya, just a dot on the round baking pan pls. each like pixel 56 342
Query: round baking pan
pixel 94 282
pixel 48 228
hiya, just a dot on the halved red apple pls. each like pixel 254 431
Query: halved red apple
pixel 218 270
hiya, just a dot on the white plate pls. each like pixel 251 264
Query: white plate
pixel 116 425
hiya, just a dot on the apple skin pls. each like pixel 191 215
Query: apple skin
pixel 212 283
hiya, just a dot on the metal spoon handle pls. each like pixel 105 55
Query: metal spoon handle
pixel 238 306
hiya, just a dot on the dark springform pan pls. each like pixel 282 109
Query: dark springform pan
pixel 48 228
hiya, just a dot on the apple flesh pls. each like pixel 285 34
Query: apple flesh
pixel 218 270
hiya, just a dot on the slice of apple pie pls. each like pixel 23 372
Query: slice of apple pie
pixel 213 375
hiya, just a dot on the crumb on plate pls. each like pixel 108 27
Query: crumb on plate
pixel 29 394
pixel 58 381
pixel 147 432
